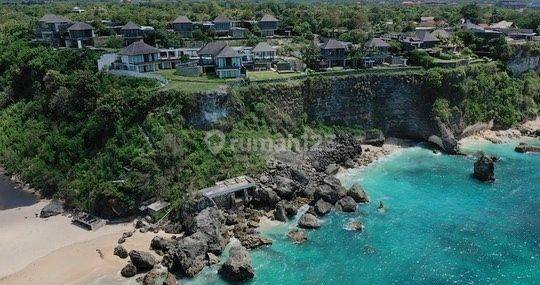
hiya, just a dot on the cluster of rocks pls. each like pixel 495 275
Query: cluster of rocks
pixel 206 235
pixel 290 182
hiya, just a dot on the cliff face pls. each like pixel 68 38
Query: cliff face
pixel 523 62
pixel 393 103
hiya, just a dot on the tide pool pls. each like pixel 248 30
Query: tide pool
pixel 442 227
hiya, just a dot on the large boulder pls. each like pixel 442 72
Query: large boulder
pixel 346 204
pixel 188 257
pixel 298 236
pixel 280 214
pixel 484 168
pixel 238 267
pixel 326 193
pixel 299 176
pixel 524 148
pixel 252 241
pixel 209 225
pixel 129 270
pixel 120 251
pixel 285 187
pixel 332 169
pixel 161 243
pixel 322 207
pixel 358 194
pixel 308 221
pixel 265 198
pixel 144 261
pixel 54 208
pixel 159 276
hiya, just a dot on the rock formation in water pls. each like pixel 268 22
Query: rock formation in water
pixel 238 267
pixel 484 168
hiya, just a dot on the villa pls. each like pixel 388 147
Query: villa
pixel 219 58
pixel 263 56
pixel 184 26
pixel 377 51
pixel 131 33
pixel 51 28
pixel 139 57
pixel 80 35
pixel 268 25
pixel 334 53
pixel 222 25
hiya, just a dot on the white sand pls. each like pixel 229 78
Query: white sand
pixel 53 251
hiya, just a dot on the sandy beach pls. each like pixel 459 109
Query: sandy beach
pixel 53 251
pixel 502 136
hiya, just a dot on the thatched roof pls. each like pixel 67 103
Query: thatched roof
pixel 131 26
pixel 138 47
pixel 212 48
pixel 377 43
pixel 228 52
pixel 182 20
pixel 334 44
pixel 53 18
pixel 80 26
pixel 268 18
pixel 263 47
pixel 221 19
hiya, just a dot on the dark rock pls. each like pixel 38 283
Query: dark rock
pixel 144 261
pixel 326 193
pixel 159 276
pixel 120 251
pixel 238 267
pixel 129 270
pixel 161 243
pixel 332 169
pixel 231 219
pixel 127 235
pixel 121 240
pixel 280 214
pixel 337 151
pixel 358 194
pixel 308 221
pixel 290 210
pixel 298 236
pixel 322 207
pixel 188 257
pixel 346 204
pixel 523 148
pixel 299 176
pixel 252 241
pixel 54 208
pixel 265 198
pixel 285 187
pixel 209 224
pixel 484 168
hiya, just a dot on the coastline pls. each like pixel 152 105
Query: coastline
pixel 54 251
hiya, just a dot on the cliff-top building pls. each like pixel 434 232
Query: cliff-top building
pixel 184 26
pixel 268 25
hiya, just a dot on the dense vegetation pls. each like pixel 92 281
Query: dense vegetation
pixel 105 143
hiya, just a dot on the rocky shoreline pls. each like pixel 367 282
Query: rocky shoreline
pixel 290 182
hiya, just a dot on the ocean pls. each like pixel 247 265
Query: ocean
pixel 442 226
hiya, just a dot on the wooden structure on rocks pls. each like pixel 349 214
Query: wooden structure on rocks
pixel 230 193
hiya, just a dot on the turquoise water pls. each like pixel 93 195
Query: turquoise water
pixel 442 227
